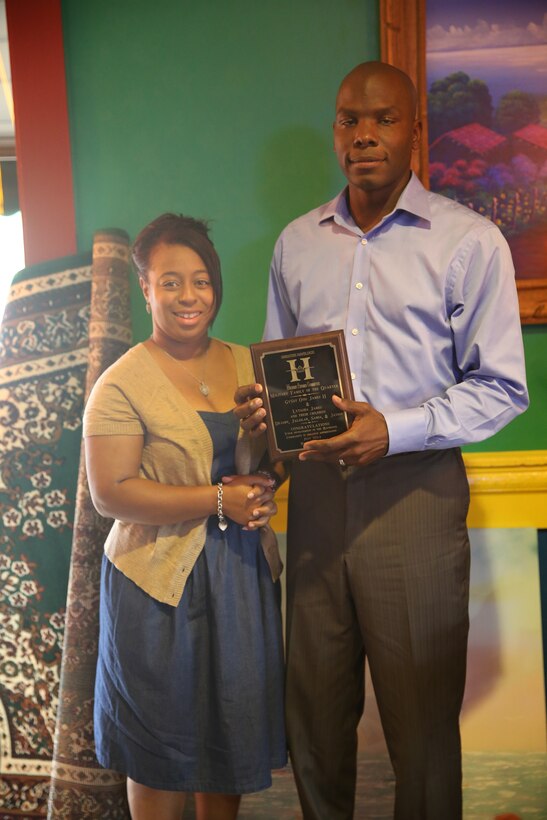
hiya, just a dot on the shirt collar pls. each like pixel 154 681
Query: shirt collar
pixel 414 200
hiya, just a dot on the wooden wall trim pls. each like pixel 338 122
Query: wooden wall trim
pixel 44 166
pixel 508 489
pixel 402 44
pixel 522 471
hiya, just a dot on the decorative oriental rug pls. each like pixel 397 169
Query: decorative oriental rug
pixel 50 338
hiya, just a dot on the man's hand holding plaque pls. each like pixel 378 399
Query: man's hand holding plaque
pixel 366 440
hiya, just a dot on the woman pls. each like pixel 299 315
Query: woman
pixel 188 694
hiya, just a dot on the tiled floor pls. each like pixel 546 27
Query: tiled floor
pixel 505 786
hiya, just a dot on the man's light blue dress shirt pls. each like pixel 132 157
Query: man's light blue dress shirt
pixel 428 303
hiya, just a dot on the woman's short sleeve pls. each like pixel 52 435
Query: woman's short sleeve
pixel 109 412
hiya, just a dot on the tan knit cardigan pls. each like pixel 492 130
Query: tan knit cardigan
pixel 135 397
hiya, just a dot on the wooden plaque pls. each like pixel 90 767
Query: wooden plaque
pixel 300 376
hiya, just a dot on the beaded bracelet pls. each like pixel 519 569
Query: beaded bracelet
pixel 222 523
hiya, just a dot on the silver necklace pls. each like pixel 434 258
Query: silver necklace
pixel 203 386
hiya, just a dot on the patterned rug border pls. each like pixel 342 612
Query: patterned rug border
pixel 17 766
pixel 69 774
pixel 44 365
pixel 75 275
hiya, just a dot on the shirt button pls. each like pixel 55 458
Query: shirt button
pixel 354 332
pixel 353 375
pixel 359 285
pixel 363 241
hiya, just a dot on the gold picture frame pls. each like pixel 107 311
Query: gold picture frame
pixel 403 44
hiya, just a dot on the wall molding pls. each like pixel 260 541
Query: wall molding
pixel 516 471
pixel 508 489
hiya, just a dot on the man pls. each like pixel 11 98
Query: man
pixel 378 553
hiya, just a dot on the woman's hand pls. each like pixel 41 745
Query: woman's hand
pixel 119 491
pixel 249 497
pixel 250 409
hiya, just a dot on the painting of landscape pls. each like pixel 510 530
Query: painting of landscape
pixel 486 66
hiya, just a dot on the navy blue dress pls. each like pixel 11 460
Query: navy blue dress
pixel 190 698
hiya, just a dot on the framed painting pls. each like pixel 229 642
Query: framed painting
pixel 479 67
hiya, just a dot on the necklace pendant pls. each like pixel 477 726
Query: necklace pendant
pixel 203 389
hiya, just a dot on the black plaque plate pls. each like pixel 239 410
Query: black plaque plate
pixel 299 377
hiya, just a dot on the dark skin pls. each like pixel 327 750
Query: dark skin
pixel 375 133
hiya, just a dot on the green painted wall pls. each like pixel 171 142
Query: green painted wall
pixel 529 431
pixel 223 110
